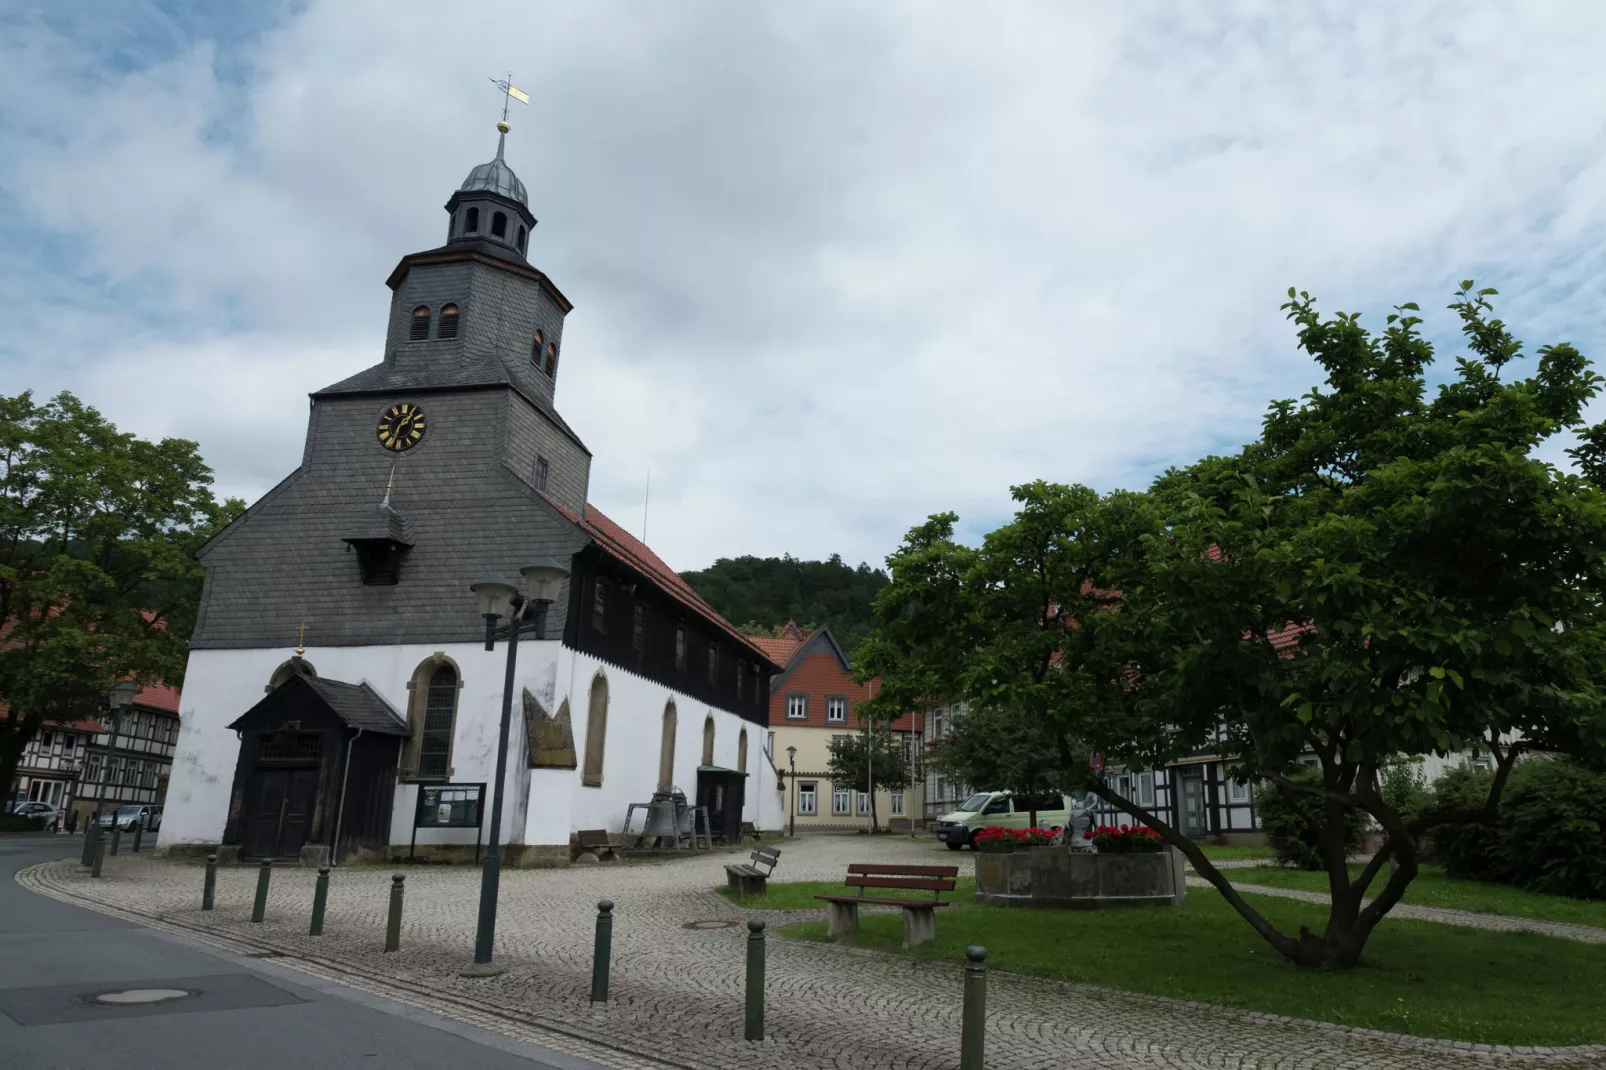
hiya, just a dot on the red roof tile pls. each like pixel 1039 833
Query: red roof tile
pixel 158 697
pixel 778 649
pixel 631 550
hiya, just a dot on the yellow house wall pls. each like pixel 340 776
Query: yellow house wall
pixel 812 759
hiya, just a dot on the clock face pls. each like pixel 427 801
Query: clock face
pixel 401 427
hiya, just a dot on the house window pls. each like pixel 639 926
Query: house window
pixel 864 801
pixel 552 359
pixel 499 224
pixel 46 739
pixel 897 803
pixel 1146 789
pixel 1238 791
pixel 542 471
pixel 447 328
pixel 713 663
pixel 797 707
pixel 770 747
pixel 807 799
pixel 638 629
pixel 535 349
pixel 599 606
pixel 741 679
pixel 836 709
pixel 596 732
pixel 841 799
pixel 680 648
pixel 471 223
pixel 420 329
pixel 440 713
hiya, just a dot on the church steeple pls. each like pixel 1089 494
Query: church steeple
pixel 491 204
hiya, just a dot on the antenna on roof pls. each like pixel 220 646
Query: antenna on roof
pixel 645 498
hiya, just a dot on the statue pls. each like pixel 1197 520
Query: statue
pixel 1078 830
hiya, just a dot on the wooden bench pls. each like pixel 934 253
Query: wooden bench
pixel 919 915
pixel 598 842
pixel 748 878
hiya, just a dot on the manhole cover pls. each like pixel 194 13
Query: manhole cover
pixel 701 925
pixel 141 995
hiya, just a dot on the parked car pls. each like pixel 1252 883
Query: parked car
pixel 33 809
pixel 127 817
pixel 988 808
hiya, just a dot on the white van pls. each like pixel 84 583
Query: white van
pixel 988 808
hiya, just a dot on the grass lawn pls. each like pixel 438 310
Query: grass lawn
pixel 1233 854
pixel 1419 978
pixel 1432 888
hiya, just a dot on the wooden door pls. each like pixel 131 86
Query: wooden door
pixel 296 825
pixel 1193 802
pixel 269 794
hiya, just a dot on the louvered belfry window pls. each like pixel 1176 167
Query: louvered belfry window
pixel 499 224
pixel 420 329
pixel 471 222
pixel 448 324
pixel 440 710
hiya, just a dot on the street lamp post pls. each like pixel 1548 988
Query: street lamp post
pixel 498 599
pixel 119 699
pixel 791 760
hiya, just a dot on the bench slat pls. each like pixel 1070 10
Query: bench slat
pixel 769 853
pixel 908 884
pixel 903 871
pixel 908 904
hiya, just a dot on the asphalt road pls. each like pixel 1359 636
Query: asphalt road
pixel 238 1012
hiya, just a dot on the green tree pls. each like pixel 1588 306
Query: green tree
pixel 1382 573
pixel 870 760
pixel 98 579
pixel 997 749
pixel 766 592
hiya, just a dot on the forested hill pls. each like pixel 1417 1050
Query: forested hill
pixel 760 594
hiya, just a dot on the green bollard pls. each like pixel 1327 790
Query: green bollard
pixel 393 924
pixel 100 856
pixel 260 907
pixel 139 830
pixel 320 899
pixel 209 889
pixel 973 1028
pixel 91 834
pixel 600 952
pixel 755 980
pixel 117 834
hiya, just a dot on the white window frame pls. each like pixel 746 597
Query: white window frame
pixel 836 709
pixel 897 803
pixel 808 798
pixel 1146 789
pixel 797 707
pixel 1238 791
pixel 862 802
pixel 841 801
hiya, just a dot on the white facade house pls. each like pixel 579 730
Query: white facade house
pixel 444 465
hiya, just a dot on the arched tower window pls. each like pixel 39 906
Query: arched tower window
pixel 596 732
pixel 420 328
pixel 552 359
pixel 471 221
pixel 741 752
pixel 499 224
pixel 448 324
pixel 439 723
pixel 535 348
pixel 666 748
pixel 708 740
pixel 521 239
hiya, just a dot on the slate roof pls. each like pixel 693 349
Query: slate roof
pixel 497 177
pixel 620 544
pixel 383 523
pixel 358 705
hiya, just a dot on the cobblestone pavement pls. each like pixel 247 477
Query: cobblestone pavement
pixel 1589 934
pixel 676 997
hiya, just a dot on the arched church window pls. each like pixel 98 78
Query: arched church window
pixel 471 221
pixel 741 752
pixel 286 670
pixel 448 324
pixel 596 732
pixel 535 348
pixel 420 330
pixel 521 239
pixel 440 719
pixel 708 740
pixel 666 748
pixel 499 224
pixel 552 359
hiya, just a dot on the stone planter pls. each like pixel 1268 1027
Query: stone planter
pixel 1057 877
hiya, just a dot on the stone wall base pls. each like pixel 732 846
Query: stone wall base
pixel 521 855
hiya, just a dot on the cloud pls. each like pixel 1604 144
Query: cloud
pixel 835 267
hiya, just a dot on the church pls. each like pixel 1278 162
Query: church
pixel 340 699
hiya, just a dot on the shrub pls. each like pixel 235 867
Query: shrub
pixel 1552 829
pixel 1466 851
pixel 1293 831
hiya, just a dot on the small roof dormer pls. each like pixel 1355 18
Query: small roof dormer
pixel 492 205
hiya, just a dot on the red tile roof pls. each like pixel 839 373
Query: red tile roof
pixel 779 649
pixel 618 542
pixel 158 697
pixel 87 724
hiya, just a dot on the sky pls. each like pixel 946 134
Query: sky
pixel 835 266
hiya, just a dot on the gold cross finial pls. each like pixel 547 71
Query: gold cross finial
pixel 301 640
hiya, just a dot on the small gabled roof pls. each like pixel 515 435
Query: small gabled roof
pixel 820 641
pixel 356 705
